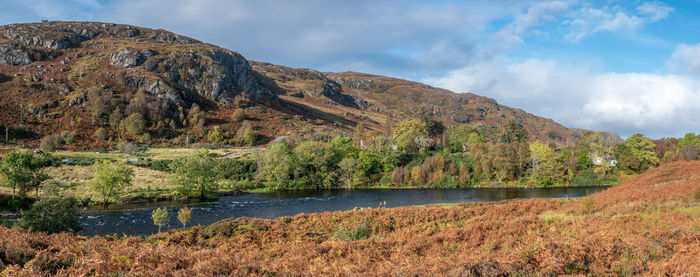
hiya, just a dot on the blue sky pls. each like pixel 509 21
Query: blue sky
pixel 621 66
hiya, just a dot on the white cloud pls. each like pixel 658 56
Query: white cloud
pixel 536 14
pixel 655 105
pixel 686 58
pixel 587 20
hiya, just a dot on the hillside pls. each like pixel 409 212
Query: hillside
pixel 71 76
pixel 648 225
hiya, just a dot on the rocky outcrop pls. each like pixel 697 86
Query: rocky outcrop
pixel 219 75
pixel 128 58
pixel 62 35
pixel 13 54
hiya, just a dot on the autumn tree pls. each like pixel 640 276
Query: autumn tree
pixel 110 179
pixel 406 133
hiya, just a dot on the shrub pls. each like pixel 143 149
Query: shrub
pixel 126 147
pixel 238 115
pixel 697 194
pixel 49 143
pixel 101 134
pixel 587 205
pixel 360 231
pixel 51 215
pixel 184 216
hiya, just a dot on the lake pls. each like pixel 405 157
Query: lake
pixel 136 219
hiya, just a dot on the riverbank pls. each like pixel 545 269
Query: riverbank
pixel 648 225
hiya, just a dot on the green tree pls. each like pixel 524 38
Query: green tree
pixel 23 171
pixel 135 124
pixel 160 217
pixel 349 173
pixel 514 132
pixel 274 166
pixel 407 131
pixel 195 173
pixel 432 126
pixel 459 135
pixel 314 162
pixel 642 149
pixel 51 215
pixel 184 215
pixel 110 179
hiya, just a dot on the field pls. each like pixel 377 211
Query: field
pixel 146 183
pixel 648 225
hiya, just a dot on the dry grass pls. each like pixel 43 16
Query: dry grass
pixel 74 179
pixel 655 233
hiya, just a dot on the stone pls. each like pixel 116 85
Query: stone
pixel 127 58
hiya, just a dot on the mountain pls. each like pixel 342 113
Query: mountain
pixel 58 76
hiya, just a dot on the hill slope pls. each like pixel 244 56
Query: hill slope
pixel 649 225
pixel 57 76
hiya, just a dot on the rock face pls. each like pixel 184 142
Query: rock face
pixel 127 58
pixel 194 67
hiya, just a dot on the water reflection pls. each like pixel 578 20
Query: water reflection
pixel 137 219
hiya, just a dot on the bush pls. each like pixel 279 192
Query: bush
pixel 101 134
pixel 360 231
pixel 49 143
pixel 126 147
pixel 51 215
pixel 697 194
pixel 238 115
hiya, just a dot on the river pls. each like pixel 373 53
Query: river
pixel 136 219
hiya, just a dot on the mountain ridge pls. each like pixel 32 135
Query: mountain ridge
pixel 51 70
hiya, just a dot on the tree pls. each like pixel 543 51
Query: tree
pixel 514 132
pixel 49 143
pixel 135 124
pixel 23 171
pixel 349 173
pixel 314 162
pixel 407 131
pixel 238 115
pixel 110 179
pixel 245 134
pixel 195 173
pixel 51 215
pixel 359 134
pixel 642 149
pixel 433 127
pixel 160 217
pixel 115 118
pixel 184 215
pixel 101 134
pixel 275 164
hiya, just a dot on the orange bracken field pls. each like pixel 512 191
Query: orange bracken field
pixel 648 225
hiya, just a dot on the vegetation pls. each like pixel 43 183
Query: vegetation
pixel 644 226
pixel 23 172
pixel 160 217
pixel 184 215
pixel 195 174
pixel 51 215
pixel 111 179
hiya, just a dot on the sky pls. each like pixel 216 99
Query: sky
pixel 620 66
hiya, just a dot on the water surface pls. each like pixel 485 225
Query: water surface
pixel 137 219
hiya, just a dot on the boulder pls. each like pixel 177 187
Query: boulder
pixel 13 54
pixel 128 58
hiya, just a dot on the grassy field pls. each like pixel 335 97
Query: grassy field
pixel 158 153
pixel 146 183
pixel 649 225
